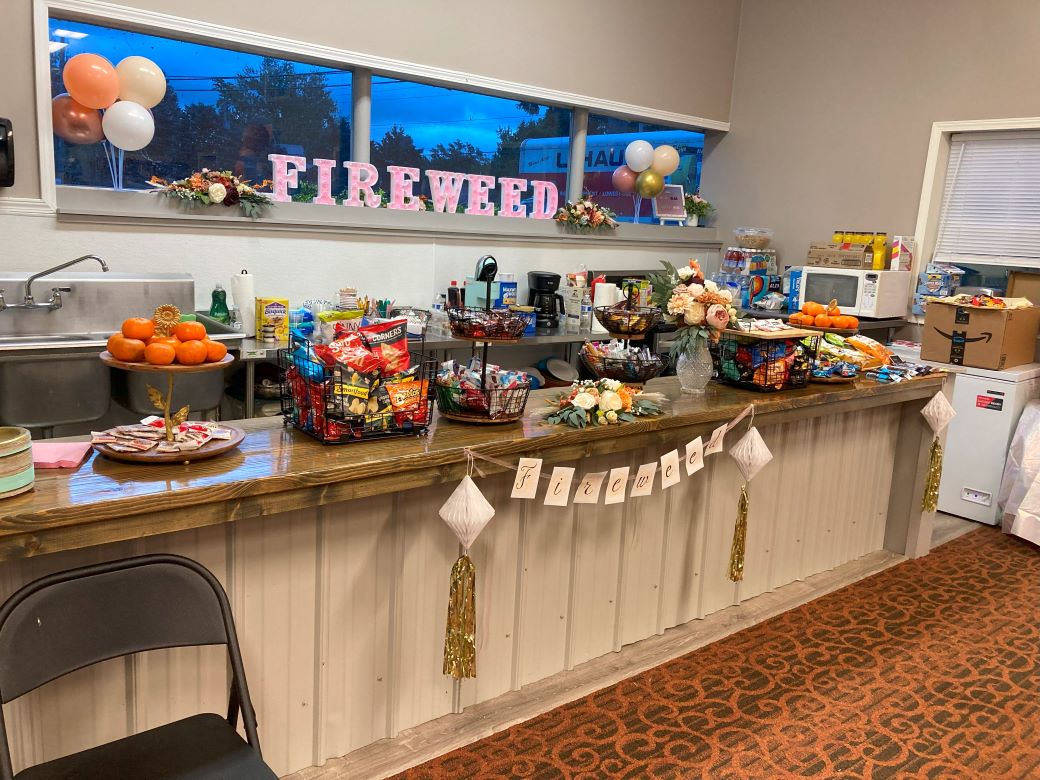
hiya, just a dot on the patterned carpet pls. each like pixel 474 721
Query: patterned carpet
pixel 930 669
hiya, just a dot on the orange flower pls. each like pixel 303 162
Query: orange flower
pixel 625 393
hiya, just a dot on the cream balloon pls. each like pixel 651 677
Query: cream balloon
pixel 666 160
pixel 141 81
pixel 639 155
pixel 128 126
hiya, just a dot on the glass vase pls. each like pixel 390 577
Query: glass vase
pixel 694 368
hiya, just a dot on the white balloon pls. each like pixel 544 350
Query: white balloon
pixel 128 126
pixel 141 81
pixel 666 160
pixel 639 155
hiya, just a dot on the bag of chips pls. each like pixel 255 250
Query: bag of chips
pixel 389 342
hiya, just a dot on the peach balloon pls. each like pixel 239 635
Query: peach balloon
pixel 141 81
pixel 75 123
pixel 91 80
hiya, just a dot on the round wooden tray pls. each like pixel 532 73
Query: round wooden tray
pixel 208 450
pixel 832 380
pixel 480 420
pixel 107 359
pixel 478 340
pixel 838 331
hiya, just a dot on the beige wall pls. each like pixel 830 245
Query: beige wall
pixel 833 103
pixel 577 48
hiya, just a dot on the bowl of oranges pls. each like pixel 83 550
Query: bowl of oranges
pixel 164 343
pixel 824 317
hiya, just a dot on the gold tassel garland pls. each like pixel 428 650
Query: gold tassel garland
pixel 460 635
pixel 931 483
pixel 736 555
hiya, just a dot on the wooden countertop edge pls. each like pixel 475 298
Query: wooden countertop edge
pixel 98 522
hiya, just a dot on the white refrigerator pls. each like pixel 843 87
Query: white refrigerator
pixel 988 405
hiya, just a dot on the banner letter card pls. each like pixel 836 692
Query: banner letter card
pixel 670 469
pixel 588 488
pixel 559 491
pixel 526 483
pixel 715 442
pixel 644 484
pixel 694 456
pixel 617 485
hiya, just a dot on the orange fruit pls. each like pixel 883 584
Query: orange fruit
pixel 822 321
pixel 159 353
pixel 191 353
pixel 853 322
pixel 127 350
pixel 171 340
pixel 190 331
pixel 214 351
pixel 140 328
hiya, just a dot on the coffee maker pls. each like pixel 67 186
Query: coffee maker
pixel 548 304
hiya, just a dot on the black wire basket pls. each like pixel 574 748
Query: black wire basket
pixel 628 322
pixel 487 324
pixel 634 369
pixel 490 405
pixel 324 401
pixel 766 364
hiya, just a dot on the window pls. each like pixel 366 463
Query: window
pixel 605 151
pixel 990 211
pixel 429 127
pixel 223 109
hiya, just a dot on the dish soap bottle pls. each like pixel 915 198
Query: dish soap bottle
pixel 218 309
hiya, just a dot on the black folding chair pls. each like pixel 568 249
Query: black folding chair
pixel 77 618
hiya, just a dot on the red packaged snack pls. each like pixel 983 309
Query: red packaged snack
pixel 409 401
pixel 351 351
pixel 389 341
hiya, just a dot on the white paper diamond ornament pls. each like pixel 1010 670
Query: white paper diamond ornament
pixel 750 453
pixel 938 412
pixel 467 511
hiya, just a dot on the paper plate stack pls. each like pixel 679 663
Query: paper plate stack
pixel 16 462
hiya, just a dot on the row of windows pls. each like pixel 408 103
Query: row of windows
pixel 227 109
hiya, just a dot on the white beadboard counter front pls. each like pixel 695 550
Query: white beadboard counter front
pixel 337 565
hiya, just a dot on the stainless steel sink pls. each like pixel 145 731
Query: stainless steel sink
pixel 49 370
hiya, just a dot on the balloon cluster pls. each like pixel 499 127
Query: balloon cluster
pixel 645 168
pixel 125 91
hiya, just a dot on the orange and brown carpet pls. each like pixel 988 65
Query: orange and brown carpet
pixel 930 669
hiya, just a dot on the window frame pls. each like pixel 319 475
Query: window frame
pixel 940 143
pixel 363 66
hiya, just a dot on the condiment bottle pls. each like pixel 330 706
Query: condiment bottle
pixel 880 245
pixel 218 309
pixel 456 295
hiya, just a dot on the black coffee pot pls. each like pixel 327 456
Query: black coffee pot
pixel 548 304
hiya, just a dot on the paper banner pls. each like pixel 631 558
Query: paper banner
pixel 617 484
pixel 525 485
pixel 715 442
pixel 559 491
pixel 588 488
pixel 670 469
pixel 694 456
pixel 644 482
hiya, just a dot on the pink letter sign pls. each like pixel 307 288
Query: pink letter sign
pixel 324 196
pixel 445 190
pixel 356 184
pixel 546 200
pixel 479 190
pixel 282 176
pixel 511 205
pixel 401 181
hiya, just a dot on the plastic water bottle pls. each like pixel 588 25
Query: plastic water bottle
pixel 585 320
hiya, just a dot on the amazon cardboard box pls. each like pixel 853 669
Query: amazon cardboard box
pixel 982 338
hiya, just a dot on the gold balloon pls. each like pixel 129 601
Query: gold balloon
pixel 76 123
pixel 650 184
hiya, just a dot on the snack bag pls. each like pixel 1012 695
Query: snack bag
pixel 352 352
pixel 409 401
pixel 868 346
pixel 389 342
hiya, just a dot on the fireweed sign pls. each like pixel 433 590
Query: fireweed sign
pixel 445 188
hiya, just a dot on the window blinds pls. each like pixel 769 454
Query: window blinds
pixel 990 210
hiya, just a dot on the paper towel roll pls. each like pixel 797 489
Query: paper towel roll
pixel 603 294
pixel 243 294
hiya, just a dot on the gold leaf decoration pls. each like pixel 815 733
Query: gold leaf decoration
pixel 180 416
pixel 460 645
pixel 156 398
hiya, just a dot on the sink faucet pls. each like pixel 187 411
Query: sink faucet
pixel 54 302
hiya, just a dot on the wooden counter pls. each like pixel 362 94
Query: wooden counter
pixel 277 469
pixel 336 563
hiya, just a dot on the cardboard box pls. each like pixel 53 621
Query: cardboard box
pixel 902 253
pixel 939 279
pixel 918 305
pixel 1024 284
pixel 827 255
pixel 759 287
pixel 983 338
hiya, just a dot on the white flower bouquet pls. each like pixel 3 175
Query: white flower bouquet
pixel 602 402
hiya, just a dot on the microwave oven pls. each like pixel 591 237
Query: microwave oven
pixel 861 293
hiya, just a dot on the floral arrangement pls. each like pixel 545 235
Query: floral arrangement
pixel 602 402
pixel 700 308
pixel 210 188
pixel 696 206
pixel 586 216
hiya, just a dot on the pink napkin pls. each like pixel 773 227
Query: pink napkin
pixel 59 455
